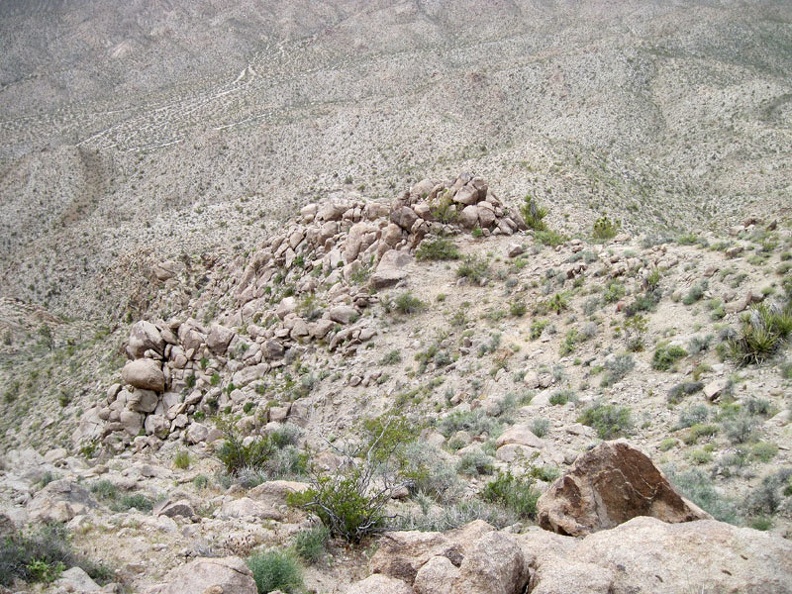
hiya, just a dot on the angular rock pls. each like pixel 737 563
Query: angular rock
pixel 607 486
pixel 131 421
pixel 171 509
pixel 245 507
pixel 274 493
pixel 144 336
pixel 219 338
pixel 402 554
pixel 380 584
pixel 343 314
pixel 145 374
pixel 714 389
pixel 467 195
pixel 157 425
pixel 196 433
pixel 391 269
pixel 436 576
pixel 59 501
pixel 519 435
pixel 75 579
pixel 222 575
pixel 494 565
pixel 404 217
pixel 144 401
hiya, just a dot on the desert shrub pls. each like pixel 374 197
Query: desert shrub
pixel 617 368
pixel 444 210
pixel 391 357
pixel 427 472
pixel 549 237
pixel 475 269
pixel 407 304
pixel 134 500
pixel 41 556
pixel 540 427
pixel 537 327
pixel 517 494
pixel 276 570
pixel 695 432
pixel 605 229
pixel 104 490
pixel 764 451
pixel 476 422
pixel 311 545
pixel 666 355
pixel 698 487
pixel 182 460
pixel 698 413
pixel 770 494
pixel 699 344
pixel 558 303
pixel 440 248
pixel 695 293
pixel 456 515
pixel 474 463
pixel 561 397
pixel 740 429
pixel 609 420
pixel 271 456
pixel 681 390
pixel 533 214
pixel 351 502
pixel 517 308
pixel 763 331
pixel 569 343
pixel 613 292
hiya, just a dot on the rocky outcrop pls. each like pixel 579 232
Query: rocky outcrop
pixel 225 574
pixel 333 257
pixel 612 483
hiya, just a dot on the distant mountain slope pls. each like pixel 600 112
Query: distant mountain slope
pixel 142 126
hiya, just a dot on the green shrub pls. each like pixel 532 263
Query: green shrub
pixel 474 463
pixel 444 210
pixel 698 487
pixel 311 544
pixel 609 420
pixel 763 331
pixel 517 494
pixel 764 451
pixel 533 214
pixel 474 269
pixel 616 369
pixel 344 505
pixel 407 304
pixel 540 427
pixel 549 238
pixel 767 498
pixel 476 422
pixel 666 355
pixel 680 391
pixel 558 303
pixel 740 429
pixel 695 293
pixel 605 229
pixel 182 460
pixel 614 291
pixel 437 249
pixel 391 357
pixel 276 570
pixel 517 308
pixel 427 472
pixel 697 431
pixel 271 456
pixel 537 327
pixel 42 555
pixel 561 397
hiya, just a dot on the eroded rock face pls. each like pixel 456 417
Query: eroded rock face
pixel 609 485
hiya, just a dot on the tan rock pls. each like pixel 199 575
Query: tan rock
pixel 215 575
pixel 219 338
pixel 380 584
pixel 145 374
pixel 436 576
pixel 494 565
pixel 144 336
pixel 391 269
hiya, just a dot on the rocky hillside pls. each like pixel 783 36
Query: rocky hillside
pixel 153 130
pixel 448 356
pixel 254 321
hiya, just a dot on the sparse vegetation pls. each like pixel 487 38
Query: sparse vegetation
pixel 276 570
pixel 440 248
pixel 609 420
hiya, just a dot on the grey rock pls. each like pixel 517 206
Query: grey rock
pixel 145 374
